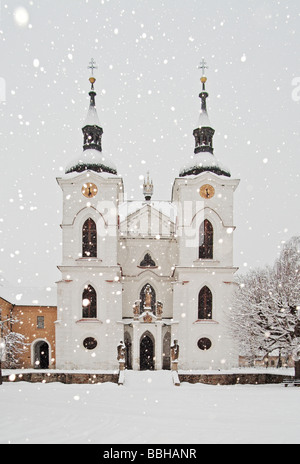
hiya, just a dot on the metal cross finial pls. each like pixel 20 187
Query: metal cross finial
pixel 203 66
pixel 92 65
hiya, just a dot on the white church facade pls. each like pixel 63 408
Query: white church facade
pixel 146 272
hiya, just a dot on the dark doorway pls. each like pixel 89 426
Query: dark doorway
pixel 41 352
pixel 167 352
pixel 128 352
pixel 147 353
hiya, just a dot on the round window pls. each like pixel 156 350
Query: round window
pixel 90 344
pixel 204 344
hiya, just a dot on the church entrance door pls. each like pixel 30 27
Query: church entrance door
pixel 147 353
pixel 41 355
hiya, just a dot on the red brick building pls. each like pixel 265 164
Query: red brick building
pixel 31 313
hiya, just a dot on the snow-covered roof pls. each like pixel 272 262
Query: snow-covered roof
pixel 29 296
pixel 93 160
pixel 204 120
pixel 202 162
pixel 92 118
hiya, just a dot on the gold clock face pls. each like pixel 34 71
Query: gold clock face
pixel 207 192
pixel 89 190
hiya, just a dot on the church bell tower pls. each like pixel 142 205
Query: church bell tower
pixel 90 289
pixel 204 275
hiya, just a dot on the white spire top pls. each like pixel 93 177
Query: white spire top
pixel 204 120
pixel 92 118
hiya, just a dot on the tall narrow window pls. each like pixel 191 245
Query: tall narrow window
pixel 89 239
pixel 206 248
pixel 89 303
pixel 40 322
pixel 205 304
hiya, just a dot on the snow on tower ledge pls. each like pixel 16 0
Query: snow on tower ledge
pixel 203 162
pixel 92 160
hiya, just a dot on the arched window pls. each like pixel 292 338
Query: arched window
pixel 205 304
pixel 89 239
pixel 89 303
pixel 206 248
pixel 148 298
pixel 148 261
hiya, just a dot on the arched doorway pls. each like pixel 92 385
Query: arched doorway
pixel 147 353
pixel 41 355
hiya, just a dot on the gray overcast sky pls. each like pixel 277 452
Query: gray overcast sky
pixel 148 86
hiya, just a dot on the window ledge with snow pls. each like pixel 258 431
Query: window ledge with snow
pixel 89 321
pixel 203 262
pixel 206 321
pixel 147 267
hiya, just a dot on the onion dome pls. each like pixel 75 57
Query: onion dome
pixel 204 159
pixel 92 158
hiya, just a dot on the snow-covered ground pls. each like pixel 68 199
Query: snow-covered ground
pixel 239 370
pixel 148 410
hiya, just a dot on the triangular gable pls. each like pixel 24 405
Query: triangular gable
pixel 147 219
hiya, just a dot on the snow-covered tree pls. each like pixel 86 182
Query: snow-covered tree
pixel 249 318
pixel 286 295
pixel 14 343
pixel 265 309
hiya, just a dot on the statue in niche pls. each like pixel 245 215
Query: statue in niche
pixel 136 309
pixel 121 352
pixel 159 311
pixel 175 352
pixel 148 297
